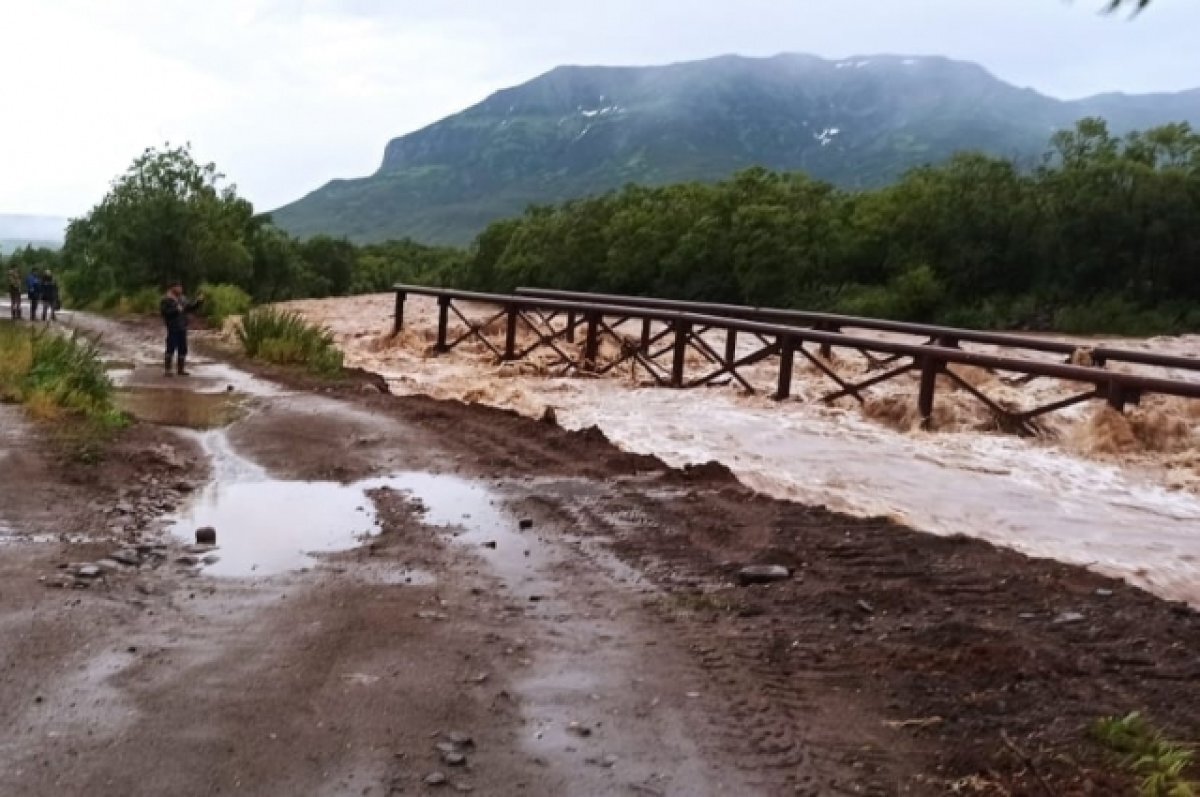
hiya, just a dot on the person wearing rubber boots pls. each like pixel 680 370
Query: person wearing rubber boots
pixel 175 309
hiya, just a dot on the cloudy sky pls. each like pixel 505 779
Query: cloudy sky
pixel 286 94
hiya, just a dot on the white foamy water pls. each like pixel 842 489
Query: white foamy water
pixel 1118 517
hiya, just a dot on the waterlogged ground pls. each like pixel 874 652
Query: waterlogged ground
pixel 1120 495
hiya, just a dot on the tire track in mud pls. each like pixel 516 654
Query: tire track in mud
pixel 761 707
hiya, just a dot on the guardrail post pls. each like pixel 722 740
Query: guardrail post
pixel 645 334
pixel 730 346
pixel 443 322
pixel 510 334
pixel 591 344
pixel 826 349
pixel 930 368
pixel 683 330
pixel 398 320
pixel 570 326
pixel 787 357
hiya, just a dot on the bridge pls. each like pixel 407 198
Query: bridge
pixel 682 344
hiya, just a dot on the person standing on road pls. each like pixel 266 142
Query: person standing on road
pixel 14 293
pixel 33 289
pixel 175 309
pixel 49 294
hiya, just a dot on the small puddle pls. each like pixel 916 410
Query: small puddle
pixel 180 407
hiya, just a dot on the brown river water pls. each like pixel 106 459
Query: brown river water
pixel 1119 494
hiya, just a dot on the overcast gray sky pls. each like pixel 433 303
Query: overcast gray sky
pixel 285 94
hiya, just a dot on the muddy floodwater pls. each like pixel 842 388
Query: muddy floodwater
pixel 1118 494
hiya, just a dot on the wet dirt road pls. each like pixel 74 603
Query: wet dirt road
pixel 605 649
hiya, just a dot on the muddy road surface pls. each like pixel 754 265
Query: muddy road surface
pixel 411 596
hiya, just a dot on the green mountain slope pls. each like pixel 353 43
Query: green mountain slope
pixel 580 130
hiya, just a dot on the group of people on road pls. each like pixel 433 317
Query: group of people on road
pixel 42 290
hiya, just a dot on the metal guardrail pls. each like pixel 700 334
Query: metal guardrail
pixel 555 318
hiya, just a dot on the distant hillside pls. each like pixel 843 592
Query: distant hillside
pixel 18 230
pixel 575 131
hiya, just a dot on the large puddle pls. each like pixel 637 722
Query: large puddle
pixel 181 407
pixel 267 526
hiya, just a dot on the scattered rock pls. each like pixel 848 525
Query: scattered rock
pixel 188 560
pixel 525 524
pixel 435 779
pixel 460 739
pixel 198 548
pixel 454 759
pixel 126 556
pixel 865 606
pixel 1067 618
pixel 1104 593
pixel 211 559
pixel 108 565
pixel 490 544
pixel 206 536
pixel 89 571
pixel 763 574
pixel 579 729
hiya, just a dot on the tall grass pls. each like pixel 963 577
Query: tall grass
pixel 285 338
pixel 60 380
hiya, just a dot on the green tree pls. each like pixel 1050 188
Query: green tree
pixel 168 217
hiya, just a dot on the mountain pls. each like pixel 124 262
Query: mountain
pixel 574 131
pixel 17 230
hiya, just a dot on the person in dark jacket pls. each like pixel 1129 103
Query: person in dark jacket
pixel 14 293
pixel 48 291
pixel 33 289
pixel 175 309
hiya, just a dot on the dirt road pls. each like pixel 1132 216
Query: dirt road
pixel 505 607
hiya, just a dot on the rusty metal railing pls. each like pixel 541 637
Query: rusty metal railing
pixel 556 319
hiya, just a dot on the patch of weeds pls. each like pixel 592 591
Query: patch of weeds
pixel 1165 768
pixel 62 382
pixel 285 338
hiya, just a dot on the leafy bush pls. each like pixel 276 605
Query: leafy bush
pixel 223 301
pixel 285 338
pixel 1115 315
pixel 144 302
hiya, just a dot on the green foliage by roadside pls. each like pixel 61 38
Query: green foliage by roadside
pixel 285 338
pixel 223 301
pixel 167 218
pixel 60 380
pixel 1164 768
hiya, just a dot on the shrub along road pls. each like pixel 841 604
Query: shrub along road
pixel 608 648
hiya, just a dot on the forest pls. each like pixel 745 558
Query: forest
pixel 1103 236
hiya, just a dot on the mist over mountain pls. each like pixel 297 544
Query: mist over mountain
pixel 859 123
